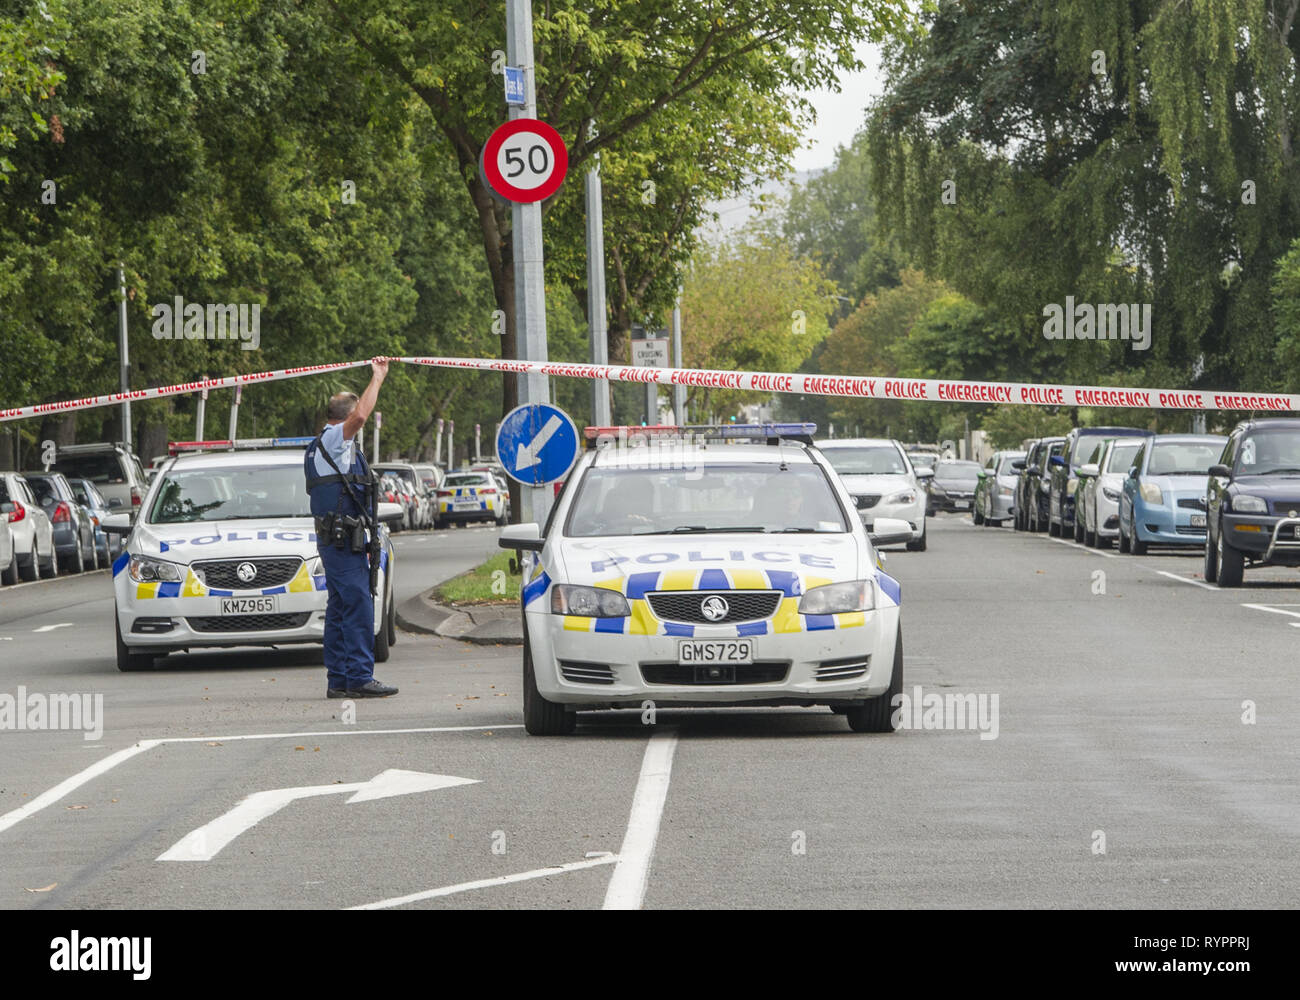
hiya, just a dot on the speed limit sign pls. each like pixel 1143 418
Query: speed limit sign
pixel 524 160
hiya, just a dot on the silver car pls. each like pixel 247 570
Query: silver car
pixel 30 528
pixel 881 479
pixel 1099 506
pixel 996 493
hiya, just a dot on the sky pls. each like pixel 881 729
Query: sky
pixel 840 115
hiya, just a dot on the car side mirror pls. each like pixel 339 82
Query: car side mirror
pixel 1018 464
pixel 889 531
pixel 524 536
pixel 390 513
pixel 116 524
pixel 1132 472
pixel 1222 471
pixel 1089 470
pixel 1056 461
pixel 1034 470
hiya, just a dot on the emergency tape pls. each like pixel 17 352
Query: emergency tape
pixel 854 386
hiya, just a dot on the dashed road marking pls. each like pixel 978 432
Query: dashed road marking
pixel 51 628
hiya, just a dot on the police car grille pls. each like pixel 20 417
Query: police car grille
pixel 866 501
pixel 249 623
pixel 742 605
pixel 762 672
pixel 223 573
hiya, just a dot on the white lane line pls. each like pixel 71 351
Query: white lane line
pixel 1076 545
pixel 53 579
pixel 1275 609
pixel 1183 579
pixel 628 883
pixel 62 789
pixel 51 628
pixel 488 883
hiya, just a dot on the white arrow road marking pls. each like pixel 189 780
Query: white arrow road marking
pixel 526 457
pixel 206 842
pixel 628 884
pixel 51 628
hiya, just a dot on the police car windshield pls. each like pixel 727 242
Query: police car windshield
pixel 877 460
pixel 474 480
pixel 231 494
pixel 740 498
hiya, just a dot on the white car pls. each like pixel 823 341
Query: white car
pixel 882 481
pixel 471 496
pixel 1105 479
pixel 223 553
pixel 29 528
pixel 740 575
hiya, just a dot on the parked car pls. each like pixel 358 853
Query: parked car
pixel 1097 500
pixel 431 476
pixel 33 535
pixel 953 487
pixel 882 481
pixel 470 496
pixel 1163 498
pixel 1063 475
pixel 1253 501
pixel 995 493
pixel 116 472
pixel 416 497
pixel 106 546
pixel 390 491
pixel 8 558
pixel 1033 483
pixel 74 529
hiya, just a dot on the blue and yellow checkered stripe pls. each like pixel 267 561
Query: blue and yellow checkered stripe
pixel 445 504
pixel 302 583
pixel 635 587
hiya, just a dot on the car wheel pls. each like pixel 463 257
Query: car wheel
pixel 1078 528
pixel 94 554
pixel 32 570
pixel 127 661
pixel 1135 544
pixel 392 622
pixel 1122 538
pixel 919 544
pixel 10 575
pixel 542 717
pixel 52 568
pixel 381 637
pixel 1210 569
pixel 501 519
pixel 876 715
pixel 79 562
pixel 1232 564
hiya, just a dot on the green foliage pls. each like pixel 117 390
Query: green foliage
pixel 1008 427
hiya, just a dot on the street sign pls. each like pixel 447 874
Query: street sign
pixel 650 353
pixel 537 444
pixel 515 86
pixel 524 161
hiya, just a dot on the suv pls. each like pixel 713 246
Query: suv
pixel 1063 476
pixel 1252 501
pixel 116 473
pixel 1033 483
pixel 882 481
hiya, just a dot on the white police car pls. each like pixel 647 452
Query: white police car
pixel 707 575
pixel 223 553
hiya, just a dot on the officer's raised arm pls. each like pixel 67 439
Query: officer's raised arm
pixel 366 404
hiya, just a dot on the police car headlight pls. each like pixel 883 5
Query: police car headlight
pixel 837 598
pixel 315 566
pixel 146 570
pixel 588 602
pixel 907 496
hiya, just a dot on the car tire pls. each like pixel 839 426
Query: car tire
pixel 52 570
pixel 542 717
pixel 79 562
pixel 1122 538
pixel 10 575
pixel 127 661
pixel 1135 544
pixel 876 715
pixel 1078 528
pixel 919 544
pixel 32 571
pixel 1231 564
pixel 382 644
pixel 1103 542
pixel 1210 566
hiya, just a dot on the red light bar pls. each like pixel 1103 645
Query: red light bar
pixel 594 432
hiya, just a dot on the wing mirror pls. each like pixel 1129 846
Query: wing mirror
pixel 521 536
pixel 1018 464
pixel 1090 469
pixel 390 513
pixel 116 524
pixel 889 531
pixel 1222 471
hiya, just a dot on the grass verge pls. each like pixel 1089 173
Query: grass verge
pixel 488 583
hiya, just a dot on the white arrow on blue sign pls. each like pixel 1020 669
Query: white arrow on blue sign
pixel 537 444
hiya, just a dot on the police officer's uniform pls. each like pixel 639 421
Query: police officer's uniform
pixel 350 610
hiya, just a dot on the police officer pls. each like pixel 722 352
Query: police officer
pixel 343 503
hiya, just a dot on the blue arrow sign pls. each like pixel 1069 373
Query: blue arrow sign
pixel 537 444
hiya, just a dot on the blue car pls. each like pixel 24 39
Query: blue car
pixel 1162 501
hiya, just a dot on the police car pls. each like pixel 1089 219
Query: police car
pixel 708 575
pixel 471 496
pixel 223 553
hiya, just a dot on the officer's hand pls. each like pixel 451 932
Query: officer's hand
pixel 380 368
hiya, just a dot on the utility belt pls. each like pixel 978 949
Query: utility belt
pixel 345 533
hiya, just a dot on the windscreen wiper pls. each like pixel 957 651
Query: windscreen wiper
pixel 687 529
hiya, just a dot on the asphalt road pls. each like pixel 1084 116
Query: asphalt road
pixel 1122 773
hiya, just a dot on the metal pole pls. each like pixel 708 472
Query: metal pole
pixel 125 354
pixel 600 408
pixel 679 391
pixel 234 412
pixel 526 242
pixel 379 422
pixel 437 444
pixel 202 412
pixel 451 445
pixel 478 442
pixel 652 403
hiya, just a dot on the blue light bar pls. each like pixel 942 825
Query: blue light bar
pixel 753 430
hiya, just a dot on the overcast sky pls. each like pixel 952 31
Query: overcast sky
pixel 840 115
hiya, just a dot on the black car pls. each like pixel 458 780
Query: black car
pixel 1253 501
pixel 74 528
pixel 1063 474
pixel 1033 483
pixel 953 486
